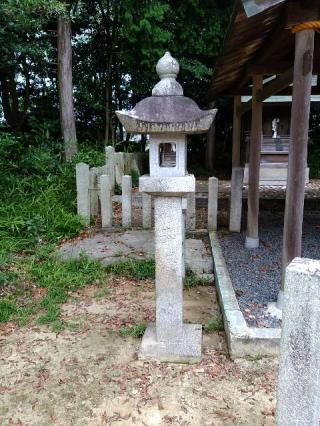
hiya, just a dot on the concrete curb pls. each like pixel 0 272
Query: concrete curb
pixel 243 341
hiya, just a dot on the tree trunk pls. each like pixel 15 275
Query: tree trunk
pixel 67 119
pixel 10 102
pixel 108 109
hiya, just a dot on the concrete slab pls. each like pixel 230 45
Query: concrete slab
pixel 186 348
pixel 118 247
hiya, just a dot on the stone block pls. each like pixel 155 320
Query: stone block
pixel 106 200
pixel 298 401
pixel 236 200
pixel 213 186
pixel 83 199
pixel 251 243
pixel 167 186
pixel 126 201
pixel 185 348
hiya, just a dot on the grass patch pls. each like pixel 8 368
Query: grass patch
pixel 37 210
pixel 214 325
pixel 60 279
pixel 136 331
pixel 138 270
pixel 192 280
pixel 7 309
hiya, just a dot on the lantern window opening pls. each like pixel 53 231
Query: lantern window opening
pixel 167 155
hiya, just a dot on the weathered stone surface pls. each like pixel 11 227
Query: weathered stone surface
pixel 191 212
pixel 213 203
pixel 117 247
pixel 299 375
pixel 185 348
pixel 83 199
pixel 126 201
pixel 167 111
pixel 106 185
pixel 180 169
pixel 168 69
pixel 236 200
pixel 174 109
pixel 110 164
pixel 251 243
pixel 173 186
pixel 94 192
pixel 146 211
pixel 169 267
pixel 168 116
pixel 119 167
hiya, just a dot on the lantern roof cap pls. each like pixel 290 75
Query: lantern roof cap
pixel 167 110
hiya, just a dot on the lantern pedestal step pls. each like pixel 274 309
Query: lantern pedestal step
pixel 178 186
pixel 186 348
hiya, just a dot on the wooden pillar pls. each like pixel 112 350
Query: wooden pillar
pixel 252 238
pixel 236 132
pixel 298 151
pixel 210 147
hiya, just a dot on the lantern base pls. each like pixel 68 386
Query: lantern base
pixel 184 350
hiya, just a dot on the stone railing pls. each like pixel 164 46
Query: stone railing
pixel 96 186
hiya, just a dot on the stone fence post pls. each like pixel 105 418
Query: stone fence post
pixel 93 192
pixel 110 164
pixel 119 167
pixel 146 211
pixel 298 400
pixel 106 200
pixel 126 201
pixel 191 212
pixel 236 199
pixel 213 186
pixel 83 198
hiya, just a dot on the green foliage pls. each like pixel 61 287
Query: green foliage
pixel 59 279
pixel 136 331
pixel 39 208
pixel 135 178
pixel 90 155
pixel 10 152
pixel 117 189
pixel 138 270
pixel 192 280
pixel 214 325
pixel 7 309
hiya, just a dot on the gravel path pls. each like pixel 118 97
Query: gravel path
pixel 256 274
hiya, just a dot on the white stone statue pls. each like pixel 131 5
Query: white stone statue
pixel 275 127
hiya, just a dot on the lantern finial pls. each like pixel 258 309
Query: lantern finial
pixel 168 70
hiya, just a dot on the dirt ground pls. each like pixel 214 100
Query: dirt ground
pixel 88 374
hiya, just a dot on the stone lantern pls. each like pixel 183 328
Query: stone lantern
pixel 168 116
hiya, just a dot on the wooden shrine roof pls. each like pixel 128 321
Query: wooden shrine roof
pixel 262 44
